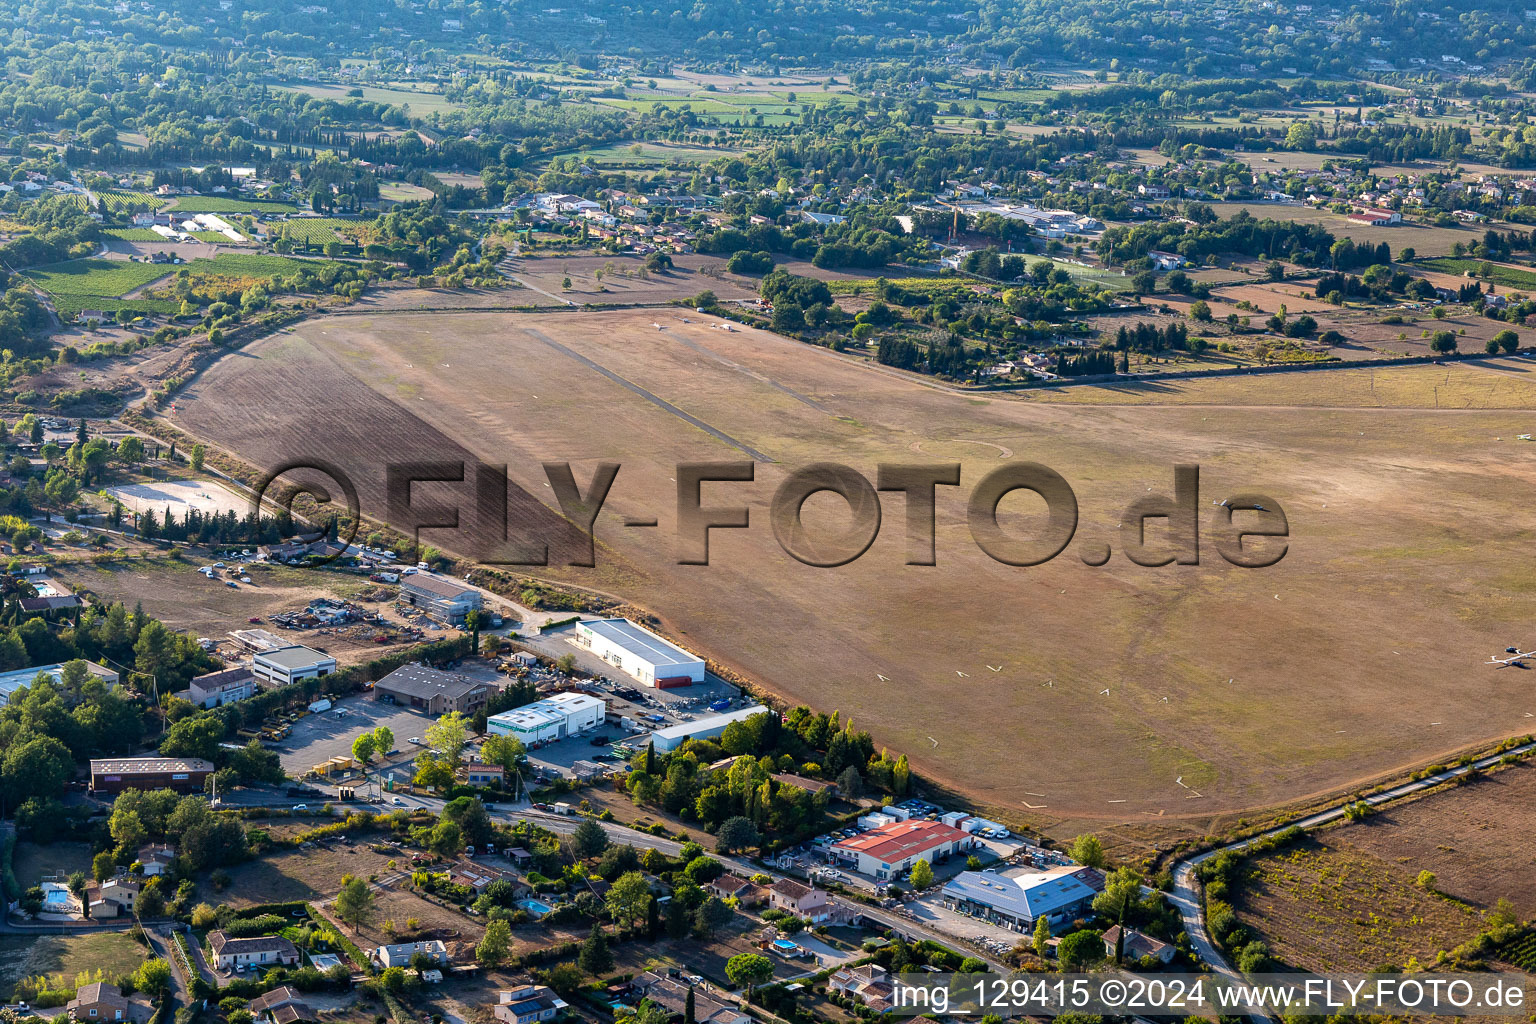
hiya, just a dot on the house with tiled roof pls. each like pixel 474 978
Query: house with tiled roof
pixel 258 951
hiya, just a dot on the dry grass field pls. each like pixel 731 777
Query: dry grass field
pixel 1477 839
pixel 622 279
pixel 1227 688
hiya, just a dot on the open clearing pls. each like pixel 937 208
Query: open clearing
pixel 208 497
pixel 1227 688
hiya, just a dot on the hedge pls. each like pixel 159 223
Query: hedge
pixel 347 944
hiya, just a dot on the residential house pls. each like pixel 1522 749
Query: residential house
pixel 527 1004
pixel 729 886
pixel 258 951
pixel 1137 946
pixel 216 689
pixel 400 954
pixel 671 994
pixel 99 1001
pixel 493 775
pixel 282 1005
pixel 870 984
pixel 109 899
pixel 156 858
pixel 804 901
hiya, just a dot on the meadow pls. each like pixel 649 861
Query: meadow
pixel 1190 691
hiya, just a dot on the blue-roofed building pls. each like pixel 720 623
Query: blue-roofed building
pixel 638 652
pixel 1017 900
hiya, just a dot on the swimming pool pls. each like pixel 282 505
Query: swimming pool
pixel 56 898
pixel 785 946
pixel 538 908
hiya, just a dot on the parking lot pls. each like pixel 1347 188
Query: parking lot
pixel 322 736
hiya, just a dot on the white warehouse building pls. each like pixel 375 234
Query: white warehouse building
pixel 709 728
pixel 640 653
pixel 550 719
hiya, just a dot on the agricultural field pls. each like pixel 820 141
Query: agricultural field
pixel 1423 239
pixel 315 230
pixel 403 192
pixel 99 284
pixel 622 279
pixel 132 234
pixel 422 102
pixel 234 264
pixel 1352 899
pixel 1217 676
pixel 1500 274
pixel 224 204
pixel 651 154
pixel 1325 907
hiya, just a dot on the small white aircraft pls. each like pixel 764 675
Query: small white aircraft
pixel 1222 503
pixel 1516 658
pixel 962 675
pixel 658 326
pixel 1523 437
pixel 997 669
pixel 881 678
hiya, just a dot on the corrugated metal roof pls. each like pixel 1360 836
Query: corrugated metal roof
pixel 640 642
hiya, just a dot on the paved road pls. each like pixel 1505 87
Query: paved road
pixel 1186 894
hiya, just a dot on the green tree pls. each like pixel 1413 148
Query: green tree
pixel 1087 850
pixel 1080 950
pixel 1507 340
pixel 749 970
pixel 595 957
pixel 383 740
pixel 922 875
pixel 1042 940
pixel 448 736
pixel 507 751
pixel 130 451
pixel 495 945
pixel 627 898
pixel 355 903
pixel 153 977
pixel 37 767
pixel 447 839
pixel 589 839
pixel 362 748
pixel 195 459
pixel 1443 341
pixel 712 915
pixel 737 833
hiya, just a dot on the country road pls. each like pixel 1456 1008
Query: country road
pixel 1187 893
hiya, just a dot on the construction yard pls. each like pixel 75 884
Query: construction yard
pixel 1192 690
pixel 174 590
